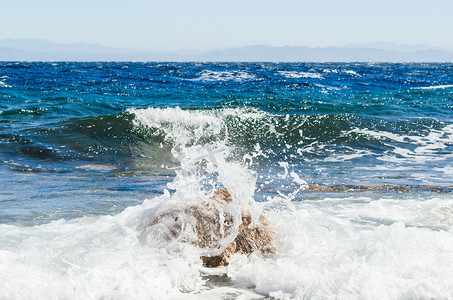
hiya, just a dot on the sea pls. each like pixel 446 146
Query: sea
pixel 351 164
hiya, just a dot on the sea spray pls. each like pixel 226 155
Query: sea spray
pixel 123 255
pixel 204 169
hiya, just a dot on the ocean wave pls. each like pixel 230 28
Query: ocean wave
pixel 297 74
pixel 435 87
pixel 351 72
pixel 420 149
pixel 349 246
pixel 31 111
pixel 151 132
pixel 3 84
pixel 337 71
pixel 177 124
pixel 356 184
pixel 87 256
pixel 224 76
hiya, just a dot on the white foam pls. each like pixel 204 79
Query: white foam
pixel 448 170
pixel 435 87
pixel 340 248
pixel 350 72
pixel 346 157
pixel 96 167
pixel 427 146
pixel 177 124
pixel 330 71
pixel 325 89
pixel 188 126
pixel 2 84
pixel 125 256
pixel 297 74
pixel 336 71
pixel 356 247
pixel 91 258
pixel 213 76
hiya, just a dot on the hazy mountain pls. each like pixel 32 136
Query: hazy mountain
pixel 328 54
pixel 397 47
pixel 392 46
pixel 37 45
pixel 41 50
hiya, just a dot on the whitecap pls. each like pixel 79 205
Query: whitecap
pixel 296 74
pixel 215 76
pixel 351 72
pixel 434 87
pixel 3 84
pixel 426 148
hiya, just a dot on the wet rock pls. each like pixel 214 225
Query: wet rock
pixel 212 221
pixel 249 239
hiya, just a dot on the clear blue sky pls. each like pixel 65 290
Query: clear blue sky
pixel 210 24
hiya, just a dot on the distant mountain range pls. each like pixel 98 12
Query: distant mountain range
pixel 42 50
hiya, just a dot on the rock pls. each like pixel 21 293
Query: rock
pixel 208 226
pixel 249 239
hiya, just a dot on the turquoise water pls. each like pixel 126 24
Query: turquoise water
pixel 358 154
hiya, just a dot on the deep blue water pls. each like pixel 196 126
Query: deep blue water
pixel 69 146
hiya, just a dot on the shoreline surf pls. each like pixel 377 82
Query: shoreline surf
pixel 350 164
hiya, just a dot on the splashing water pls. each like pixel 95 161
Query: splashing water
pixel 349 163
